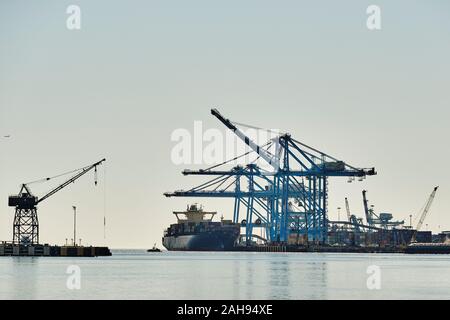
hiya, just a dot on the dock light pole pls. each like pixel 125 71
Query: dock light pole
pixel 74 226
pixel 306 227
pixel 339 213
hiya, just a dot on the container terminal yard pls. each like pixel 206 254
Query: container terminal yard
pixel 285 208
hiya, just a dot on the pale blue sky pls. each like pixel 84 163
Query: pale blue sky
pixel 137 70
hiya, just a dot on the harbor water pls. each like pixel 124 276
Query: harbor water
pixel 136 274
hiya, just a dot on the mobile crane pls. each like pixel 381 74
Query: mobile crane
pixel 425 211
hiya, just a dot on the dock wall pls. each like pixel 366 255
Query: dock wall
pixel 10 249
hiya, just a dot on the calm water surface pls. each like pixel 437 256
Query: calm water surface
pixel 135 274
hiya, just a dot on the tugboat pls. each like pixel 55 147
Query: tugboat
pixel 195 231
pixel 154 249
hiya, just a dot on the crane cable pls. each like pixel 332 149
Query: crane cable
pixel 237 157
pixel 301 143
pixel 104 201
pixel 257 128
pixel 57 176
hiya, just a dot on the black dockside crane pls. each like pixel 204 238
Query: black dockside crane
pixel 26 224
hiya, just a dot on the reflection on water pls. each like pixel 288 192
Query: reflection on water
pixel 24 285
pixel 236 266
pixel 214 275
pixel 278 275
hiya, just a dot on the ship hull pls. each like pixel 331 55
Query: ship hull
pixel 428 248
pixel 205 241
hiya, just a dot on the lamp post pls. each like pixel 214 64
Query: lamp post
pixel 74 225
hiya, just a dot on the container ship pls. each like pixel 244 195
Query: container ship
pixel 195 231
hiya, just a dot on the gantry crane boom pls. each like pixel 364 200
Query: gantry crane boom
pixel 427 208
pixel 272 160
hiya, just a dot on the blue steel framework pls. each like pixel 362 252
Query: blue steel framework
pixel 291 199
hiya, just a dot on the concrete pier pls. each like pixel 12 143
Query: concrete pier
pixel 45 250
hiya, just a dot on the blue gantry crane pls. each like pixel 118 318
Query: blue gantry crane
pixel 263 198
